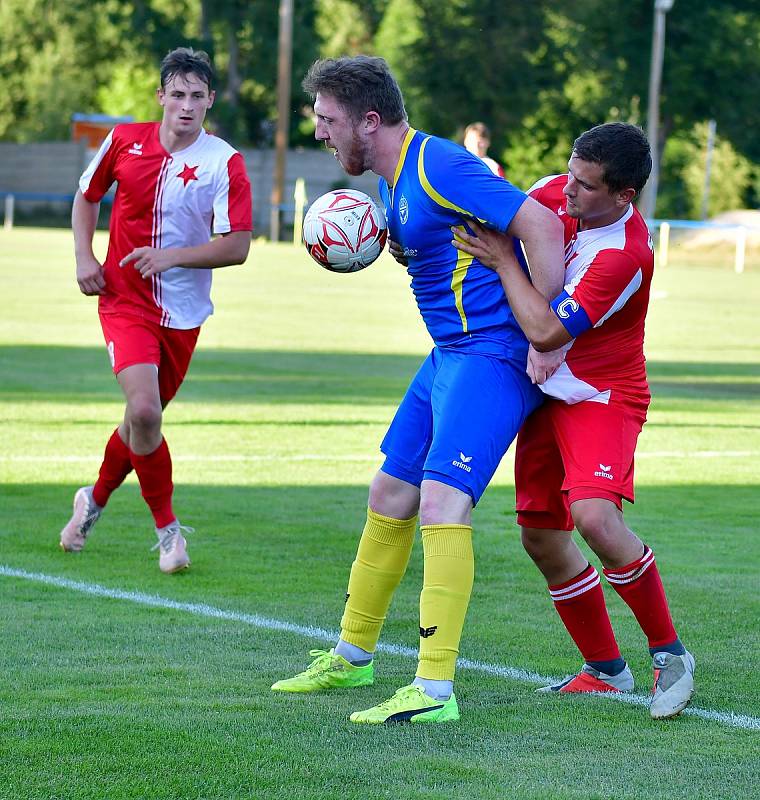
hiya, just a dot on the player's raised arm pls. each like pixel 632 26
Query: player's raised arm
pixel 541 233
pixel 84 220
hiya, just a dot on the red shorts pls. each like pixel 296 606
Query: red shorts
pixel 131 340
pixel 574 452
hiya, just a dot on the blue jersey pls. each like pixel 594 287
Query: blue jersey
pixel 438 185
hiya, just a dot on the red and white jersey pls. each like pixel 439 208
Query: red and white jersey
pixel 608 274
pixel 165 200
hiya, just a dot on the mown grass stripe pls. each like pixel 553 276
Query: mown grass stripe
pixel 322 634
pixel 232 458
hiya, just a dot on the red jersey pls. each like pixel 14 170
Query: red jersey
pixel 608 273
pixel 165 200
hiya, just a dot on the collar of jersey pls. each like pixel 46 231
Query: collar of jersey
pixel 402 155
pixel 202 135
pixel 617 223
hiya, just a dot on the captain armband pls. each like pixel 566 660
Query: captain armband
pixel 571 314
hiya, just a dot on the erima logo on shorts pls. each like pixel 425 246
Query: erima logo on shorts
pixel 463 463
pixel 604 472
pixel 111 354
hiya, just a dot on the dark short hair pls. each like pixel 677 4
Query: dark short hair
pixel 622 150
pixel 184 60
pixel 359 84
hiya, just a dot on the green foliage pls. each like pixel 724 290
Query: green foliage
pixel 343 28
pixel 732 176
pixel 131 91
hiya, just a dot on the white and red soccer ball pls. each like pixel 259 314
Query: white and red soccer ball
pixel 344 231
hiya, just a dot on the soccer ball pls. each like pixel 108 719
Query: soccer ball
pixel 344 231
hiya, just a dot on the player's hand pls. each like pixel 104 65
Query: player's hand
pixel 492 248
pixel 541 366
pixel 397 251
pixel 150 260
pixel 90 276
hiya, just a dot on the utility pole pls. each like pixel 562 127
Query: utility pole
pixel 649 195
pixel 284 59
pixel 711 128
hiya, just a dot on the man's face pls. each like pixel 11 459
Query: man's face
pixel 476 143
pixel 588 197
pixel 185 99
pixel 342 135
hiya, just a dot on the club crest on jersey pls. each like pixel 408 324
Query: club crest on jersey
pixel 403 210
pixel 188 174
pixel 136 149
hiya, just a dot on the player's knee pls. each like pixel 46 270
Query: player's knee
pixel 538 545
pixel 393 497
pixel 441 504
pixel 144 415
pixel 596 524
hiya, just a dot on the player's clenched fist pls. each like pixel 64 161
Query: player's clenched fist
pixel 90 276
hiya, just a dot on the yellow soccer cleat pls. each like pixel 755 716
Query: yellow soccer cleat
pixel 327 671
pixel 409 704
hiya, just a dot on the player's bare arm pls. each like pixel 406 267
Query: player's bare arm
pixel 531 309
pixel 224 251
pixel 542 236
pixel 84 219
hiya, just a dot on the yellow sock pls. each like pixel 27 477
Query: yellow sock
pixel 446 588
pixel 381 560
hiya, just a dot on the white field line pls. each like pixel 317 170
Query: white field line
pixel 321 634
pixel 235 457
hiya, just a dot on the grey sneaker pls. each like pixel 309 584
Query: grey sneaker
pixel 172 547
pixel 673 684
pixel 592 680
pixel 86 514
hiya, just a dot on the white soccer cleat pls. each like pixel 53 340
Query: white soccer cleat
pixel 172 547
pixel 673 684
pixel 86 514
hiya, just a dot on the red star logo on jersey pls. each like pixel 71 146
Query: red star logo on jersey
pixel 188 174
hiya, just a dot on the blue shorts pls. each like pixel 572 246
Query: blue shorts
pixel 457 419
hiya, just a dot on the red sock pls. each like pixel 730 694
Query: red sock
pixel 155 474
pixel 580 604
pixel 640 586
pixel 116 465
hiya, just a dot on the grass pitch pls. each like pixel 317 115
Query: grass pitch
pixel 274 437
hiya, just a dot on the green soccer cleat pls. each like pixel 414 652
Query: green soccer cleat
pixel 409 704
pixel 327 671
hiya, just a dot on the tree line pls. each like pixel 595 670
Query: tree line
pixel 537 72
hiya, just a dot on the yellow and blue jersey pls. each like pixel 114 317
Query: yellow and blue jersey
pixel 439 185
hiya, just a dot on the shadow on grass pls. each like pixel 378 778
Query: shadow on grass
pixel 63 374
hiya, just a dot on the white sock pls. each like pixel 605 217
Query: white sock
pixel 353 654
pixel 438 690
